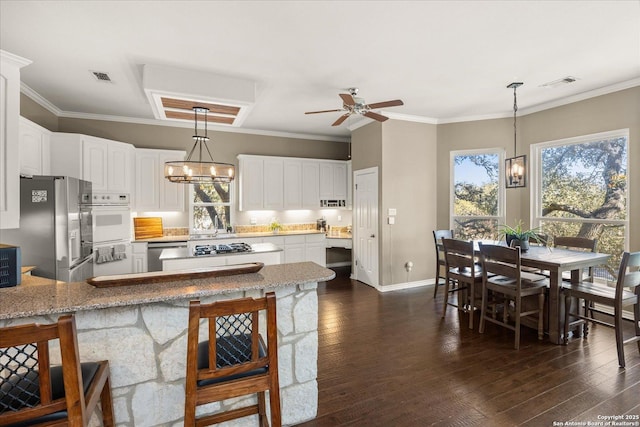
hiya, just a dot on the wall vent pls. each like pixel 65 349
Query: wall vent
pixel 101 76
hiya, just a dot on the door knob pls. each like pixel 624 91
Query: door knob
pixel 373 235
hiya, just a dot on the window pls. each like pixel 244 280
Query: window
pixel 477 194
pixel 580 188
pixel 210 207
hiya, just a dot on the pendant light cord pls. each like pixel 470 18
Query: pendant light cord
pixel 515 110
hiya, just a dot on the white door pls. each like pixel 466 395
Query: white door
pixel 365 215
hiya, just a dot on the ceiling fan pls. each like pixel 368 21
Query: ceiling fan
pixel 353 105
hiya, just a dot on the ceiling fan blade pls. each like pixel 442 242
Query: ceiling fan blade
pixel 347 99
pixel 375 116
pixel 393 103
pixel 323 111
pixel 341 119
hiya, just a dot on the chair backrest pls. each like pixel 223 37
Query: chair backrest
pixel 459 254
pixel 25 367
pixel 628 274
pixel 438 235
pixel 580 243
pixel 233 338
pixel 539 239
pixel 500 260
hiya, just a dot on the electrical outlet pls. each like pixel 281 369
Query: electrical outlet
pixel 392 220
pixel 339 218
pixel 253 221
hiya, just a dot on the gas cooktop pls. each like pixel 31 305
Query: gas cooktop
pixel 224 248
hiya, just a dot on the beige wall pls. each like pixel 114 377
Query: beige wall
pixel 618 110
pixel 409 177
pixel 37 113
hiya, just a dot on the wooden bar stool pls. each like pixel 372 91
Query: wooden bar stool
pixel 234 361
pixel 33 393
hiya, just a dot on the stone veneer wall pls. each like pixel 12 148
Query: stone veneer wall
pixel 146 349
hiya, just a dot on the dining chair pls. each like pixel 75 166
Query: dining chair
pixel 438 235
pixel 580 244
pixel 626 293
pixel 508 286
pixel 34 392
pixel 463 274
pixel 234 361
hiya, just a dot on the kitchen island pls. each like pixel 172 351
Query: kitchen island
pixel 181 258
pixel 141 330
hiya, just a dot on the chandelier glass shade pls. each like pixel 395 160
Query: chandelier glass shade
pixel 199 166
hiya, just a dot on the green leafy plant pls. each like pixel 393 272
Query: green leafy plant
pixel 275 225
pixel 518 232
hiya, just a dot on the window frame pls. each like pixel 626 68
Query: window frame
pixel 536 179
pixel 192 204
pixel 502 195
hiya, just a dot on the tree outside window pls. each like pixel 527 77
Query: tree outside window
pixel 476 194
pixel 210 207
pixel 582 191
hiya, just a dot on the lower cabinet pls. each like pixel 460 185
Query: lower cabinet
pixel 267 258
pixel 140 263
pixel 303 247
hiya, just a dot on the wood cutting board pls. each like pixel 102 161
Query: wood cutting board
pixel 147 227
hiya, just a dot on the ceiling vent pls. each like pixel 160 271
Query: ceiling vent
pixel 173 93
pixel 101 76
pixel 560 82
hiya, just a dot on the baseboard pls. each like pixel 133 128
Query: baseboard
pixel 339 264
pixel 405 285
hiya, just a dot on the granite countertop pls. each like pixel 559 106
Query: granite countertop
pixel 339 235
pixel 186 237
pixel 182 253
pixel 27 300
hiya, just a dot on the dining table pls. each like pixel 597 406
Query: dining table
pixel 557 261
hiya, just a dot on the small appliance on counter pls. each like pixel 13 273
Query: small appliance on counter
pixel 10 266
pixel 321 225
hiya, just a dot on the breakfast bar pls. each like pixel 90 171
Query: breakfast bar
pixel 141 330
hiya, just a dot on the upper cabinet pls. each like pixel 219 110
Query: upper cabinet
pixel 107 164
pixel 35 148
pixel 10 65
pixel 277 183
pixel 153 192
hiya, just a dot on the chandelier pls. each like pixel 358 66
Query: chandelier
pixel 197 168
pixel 515 167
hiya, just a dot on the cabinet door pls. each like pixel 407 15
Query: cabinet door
pixel 273 184
pixel 294 253
pixel 310 185
pixel 292 184
pixel 119 167
pixel 147 192
pixel 31 149
pixel 340 181
pixel 326 180
pixel 251 187
pixel 140 264
pixel 94 163
pixel 316 252
pixel 172 196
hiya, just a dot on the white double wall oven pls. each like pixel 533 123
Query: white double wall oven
pixel 111 217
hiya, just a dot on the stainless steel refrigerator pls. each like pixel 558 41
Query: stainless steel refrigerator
pixel 55 233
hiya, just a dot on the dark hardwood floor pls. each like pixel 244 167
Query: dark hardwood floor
pixel 390 360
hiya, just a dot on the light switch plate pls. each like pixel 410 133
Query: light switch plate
pixel 392 212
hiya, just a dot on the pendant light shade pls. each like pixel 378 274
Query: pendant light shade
pixel 198 168
pixel 515 167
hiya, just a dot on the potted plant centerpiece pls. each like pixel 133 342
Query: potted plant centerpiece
pixel 275 226
pixel 519 236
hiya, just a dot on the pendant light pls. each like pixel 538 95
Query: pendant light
pixel 515 167
pixel 196 168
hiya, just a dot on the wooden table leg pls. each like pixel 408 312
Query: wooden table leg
pixel 555 320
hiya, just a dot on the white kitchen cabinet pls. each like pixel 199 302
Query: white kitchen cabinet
pixel 301 184
pixel 107 164
pixel 302 247
pixel 316 249
pixel 273 183
pixel 10 65
pixel 251 183
pixel 267 258
pixel 35 148
pixel 153 192
pixel 333 181
pixel 292 188
pixel 140 260
pixel 310 184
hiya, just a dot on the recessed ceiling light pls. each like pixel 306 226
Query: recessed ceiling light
pixel 560 82
pixel 101 76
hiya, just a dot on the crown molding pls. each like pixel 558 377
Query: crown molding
pixel 353 126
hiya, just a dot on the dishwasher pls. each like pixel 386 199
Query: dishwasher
pixel 154 249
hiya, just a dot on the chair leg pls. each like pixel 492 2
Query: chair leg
pixel 567 318
pixel 636 317
pixel 106 403
pixel 262 409
pixel 483 308
pixel 541 317
pixel 446 297
pixel 518 310
pixel 435 289
pixel 274 403
pixel 617 320
pixel 472 303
